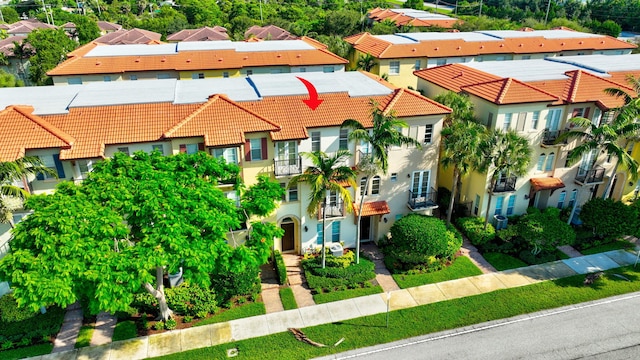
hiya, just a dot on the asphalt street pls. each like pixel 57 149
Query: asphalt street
pixel 605 329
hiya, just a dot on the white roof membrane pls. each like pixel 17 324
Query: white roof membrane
pixel 133 50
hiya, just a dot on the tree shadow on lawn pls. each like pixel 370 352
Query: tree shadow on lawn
pixel 621 276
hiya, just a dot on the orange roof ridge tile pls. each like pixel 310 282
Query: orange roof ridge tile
pixel 395 96
pixel 504 89
pixel 27 111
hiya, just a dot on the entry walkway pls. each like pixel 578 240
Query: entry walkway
pixel 215 334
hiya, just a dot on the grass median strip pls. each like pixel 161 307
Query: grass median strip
pixel 371 330
pixel 346 294
pixel 238 312
pixel 287 298
pixel 84 336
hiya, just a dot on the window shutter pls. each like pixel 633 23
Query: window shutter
pixel 247 150
pixel 575 113
pixel 586 112
pixel 183 148
pixel 264 148
pixel 201 146
pixel 59 167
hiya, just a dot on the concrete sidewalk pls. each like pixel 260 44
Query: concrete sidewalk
pixel 215 334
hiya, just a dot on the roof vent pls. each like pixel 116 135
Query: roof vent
pixel 481 46
pixel 163 59
pixel 581 42
pixel 414 50
pixel 137 59
pixel 501 45
pixel 602 42
pixel 459 47
pixel 98 63
pixel 220 59
pixel 246 58
pixel 188 60
pixel 562 43
pixel 437 48
pixel 520 45
pixel 299 56
pixel 541 44
pixel 279 55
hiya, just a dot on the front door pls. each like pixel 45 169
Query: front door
pixel 365 229
pixel 288 239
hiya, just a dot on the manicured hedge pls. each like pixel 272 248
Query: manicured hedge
pixel 186 299
pixel 335 276
pixel 21 327
pixel 473 228
pixel 281 268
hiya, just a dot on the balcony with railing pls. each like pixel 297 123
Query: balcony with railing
pixel 549 137
pixel 333 210
pixel 423 200
pixel 362 157
pixel 291 166
pixel 585 176
pixel 505 184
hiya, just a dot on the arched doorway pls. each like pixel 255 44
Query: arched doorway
pixel 288 240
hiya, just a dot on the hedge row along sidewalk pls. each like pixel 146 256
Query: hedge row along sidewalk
pixel 257 326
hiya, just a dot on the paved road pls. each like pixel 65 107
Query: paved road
pixel 607 329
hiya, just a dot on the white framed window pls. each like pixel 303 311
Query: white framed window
pixel 394 177
pixel 541 160
pixel 428 133
pixel 74 81
pixel 522 119
pixel 535 119
pixel 162 76
pixel 420 183
pixel 365 147
pixel 499 204
pixel 573 198
pixel 506 124
pixel 375 185
pixel 363 187
pixel 225 74
pixel 197 76
pixel 511 204
pixel 561 197
pixel 417 64
pixel 394 67
pixel 158 147
pixel 343 143
pixel 440 62
pixel 230 155
pixel 328 69
pixel 256 149
pixel 551 158
pixel 50 162
pixel 287 150
pixel 302 69
pixel 553 119
pixel 315 141
pixel 526 57
pixel 335 231
pixel 293 193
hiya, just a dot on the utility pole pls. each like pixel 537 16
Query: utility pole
pixel 547 16
pixel 480 12
pixel 44 8
pixel 1 16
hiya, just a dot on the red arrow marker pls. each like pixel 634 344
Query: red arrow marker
pixel 313 102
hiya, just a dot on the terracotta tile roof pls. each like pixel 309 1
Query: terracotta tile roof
pixel 108 26
pixel 133 36
pixel 295 117
pixel 202 34
pixel 6 45
pixel 371 208
pixel 95 127
pixel 454 76
pixel 585 87
pixel 546 183
pixel 194 60
pixel 621 77
pixel 221 122
pixel 269 32
pixel 509 91
pixel 382 49
pixel 401 19
pixel 27 26
pixel 28 131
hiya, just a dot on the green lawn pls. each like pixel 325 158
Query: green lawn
pixel 371 330
pixel 615 245
pixel 25 352
pixel 345 294
pixel 125 330
pixel 502 261
pixel 287 298
pixel 461 267
pixel 237 312
pixel 84 336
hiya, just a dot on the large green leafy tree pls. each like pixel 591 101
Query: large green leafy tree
pixel 132 221
pixel 7 79
pixel 51 48
pixel 386 132
pixel 503 154
pixel 326 174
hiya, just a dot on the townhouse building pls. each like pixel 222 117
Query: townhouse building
pixel 411 17
pixel 399 55
pixel 537 101
pixel 193 60
pixel 258 122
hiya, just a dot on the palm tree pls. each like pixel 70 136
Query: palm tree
pixel 12 171
pixel 366 62
pixel 504 154
pixel 326 174
pixel 628 113
pixel 384 134
pixel 22 51
pixel 461 139
pixel 460 144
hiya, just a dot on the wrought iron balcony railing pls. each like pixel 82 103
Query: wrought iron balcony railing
pixel 423 200
pixel 292 166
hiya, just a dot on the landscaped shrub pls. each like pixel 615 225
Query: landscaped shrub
pixel 281 268
pixel 22 327
pixel 421 243
pixel 473 228
pixel 228 286
pixel 335 275
pixel 544 231
pixel 610 219
pixel 186 299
